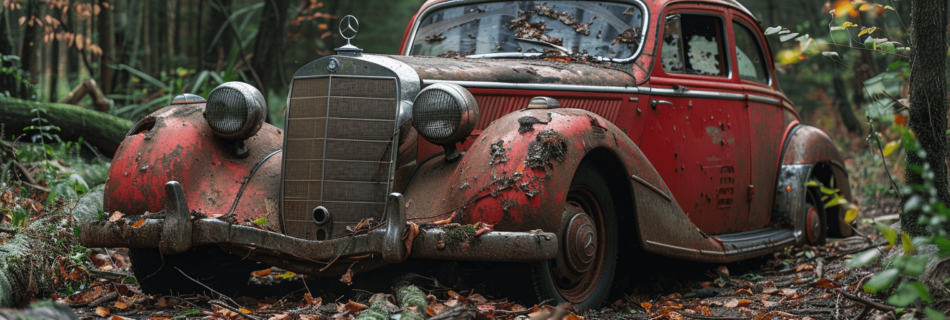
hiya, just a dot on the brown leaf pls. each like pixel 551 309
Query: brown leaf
pixel 737 303
pixel 138 223
pixel 444 222
pixel 355 306
pixel 804 267
pixel 769 287
pixel 723 270
pixel 102 311
pixel 572 316
pixel 646 306
pixel 477 299
pixel 413 230
pixel 280 316
pixel 121 305
pixel 797 296
pixel 347 277
pixel 745 291
pixel 484 228
pixel 116 216
pixel 706 311
pixel 261 273
pixel 827 284
pixel 768 304
pixel 788 292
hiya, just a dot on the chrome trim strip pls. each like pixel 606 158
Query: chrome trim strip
pixel 673 247
pixel 652 187
pixel 765 100
pixel 661 92
pixel 636 54
pixel 535 86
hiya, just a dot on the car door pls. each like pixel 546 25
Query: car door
pixel 696 133
pixel 765 114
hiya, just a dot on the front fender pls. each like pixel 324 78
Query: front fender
pixel 175 143
pixel 517 172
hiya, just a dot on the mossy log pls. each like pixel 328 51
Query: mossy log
pixel 27 260
pixel 411 298
pixel 39 310
pixel 102 130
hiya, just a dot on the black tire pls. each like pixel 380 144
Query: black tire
pixel 226 273
pixel 813 200
pixel 595 288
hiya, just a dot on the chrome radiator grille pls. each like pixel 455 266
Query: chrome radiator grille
pixel 337 153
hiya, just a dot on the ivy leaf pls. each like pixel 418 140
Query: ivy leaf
pixel 890 147
pixel 881 281
pixel 906 294
pixel 772 30
pixel 889 233
pixel 790 36
pixel 864 258
pixel 908 244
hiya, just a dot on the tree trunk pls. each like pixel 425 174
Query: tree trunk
pixel 217 51
pixel 107 43
pixel 129 41
pixel 54 70
pixel 103 131
pixel 8 82
pixel 72 56
pixel 269 40
pixel 928 104
pixel 29 60
pixel 844 106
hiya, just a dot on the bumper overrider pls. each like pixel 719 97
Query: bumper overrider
pixel 177 232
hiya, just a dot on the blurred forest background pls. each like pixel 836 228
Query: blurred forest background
pixel 143 53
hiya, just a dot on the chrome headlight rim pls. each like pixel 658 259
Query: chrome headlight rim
pixel 454 100
pixel 224 114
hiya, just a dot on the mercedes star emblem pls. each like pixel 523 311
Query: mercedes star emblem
pixel 333 65
pixel 349 26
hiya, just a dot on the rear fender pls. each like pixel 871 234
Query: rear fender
pixel 809 153
pixel 175 143
pixel 517 172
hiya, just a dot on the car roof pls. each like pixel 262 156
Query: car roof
pixel 653 4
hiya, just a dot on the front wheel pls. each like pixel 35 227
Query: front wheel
pixel 583 271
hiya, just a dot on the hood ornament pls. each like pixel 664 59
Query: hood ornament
pixel 349 27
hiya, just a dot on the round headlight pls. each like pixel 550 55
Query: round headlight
pixel 235 110
pixel 444 113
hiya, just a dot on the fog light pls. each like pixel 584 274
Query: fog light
pixel 235 110
pixel 445 114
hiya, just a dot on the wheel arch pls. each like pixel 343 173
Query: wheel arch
pixel 809 146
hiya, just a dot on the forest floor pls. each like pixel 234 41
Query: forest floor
pixel 797 283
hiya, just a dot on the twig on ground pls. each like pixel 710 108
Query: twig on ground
pixel 863 313
pixel 209 288
pixel 235 310
pixel 103 299
pixel 866 302
pixel 703 317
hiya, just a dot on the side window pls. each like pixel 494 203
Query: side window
pixel 694 44
pixel 749 57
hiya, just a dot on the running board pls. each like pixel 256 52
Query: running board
pixel 742 243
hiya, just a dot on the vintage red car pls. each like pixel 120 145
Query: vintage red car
pixel 554 133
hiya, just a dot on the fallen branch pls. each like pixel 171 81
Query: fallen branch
pixel 209 288
pixel 89 87
pixel 866 302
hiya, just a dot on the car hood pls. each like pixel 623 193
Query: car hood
pixel 517 71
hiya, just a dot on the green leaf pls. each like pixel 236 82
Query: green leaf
pixel 922 291
pixel 934 314
pixel 889 233
pixel 897 64
pixel 881 281
pixel 790 36
pixel 287 275
pixel 129 280
pixel 906 294
pixel 142 75
pixel 812 183
pixel 864 258
pixel 916 265
pixel 944 245
pixel 261 221
pixel 827 190
pixel 887 47
pixel 851 214
pixel 772 30
pixel 848 24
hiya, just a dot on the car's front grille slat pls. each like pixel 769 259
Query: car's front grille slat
pixel 338 152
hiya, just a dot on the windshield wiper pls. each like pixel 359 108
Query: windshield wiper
pixel 563 49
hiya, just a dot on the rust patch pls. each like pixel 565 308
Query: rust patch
pixel 435 38
pixel 526 124
pixel 498 153
pixel 628 36
pixel 548 145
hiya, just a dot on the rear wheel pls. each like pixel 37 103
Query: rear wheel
pixel 583 271
pixel 816 226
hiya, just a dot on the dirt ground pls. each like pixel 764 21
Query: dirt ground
pixel 797 283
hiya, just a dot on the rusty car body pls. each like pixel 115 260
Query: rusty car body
pixel 554 133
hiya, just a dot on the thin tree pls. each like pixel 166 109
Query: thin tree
pixel 928 101
pixel 107 43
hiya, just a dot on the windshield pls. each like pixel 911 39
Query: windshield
pixel 605 31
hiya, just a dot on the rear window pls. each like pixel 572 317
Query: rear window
pixel 694 44
pixel 749 57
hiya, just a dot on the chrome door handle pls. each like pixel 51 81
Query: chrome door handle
pixel 655 103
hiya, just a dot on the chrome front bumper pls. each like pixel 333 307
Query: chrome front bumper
pixel 177 232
